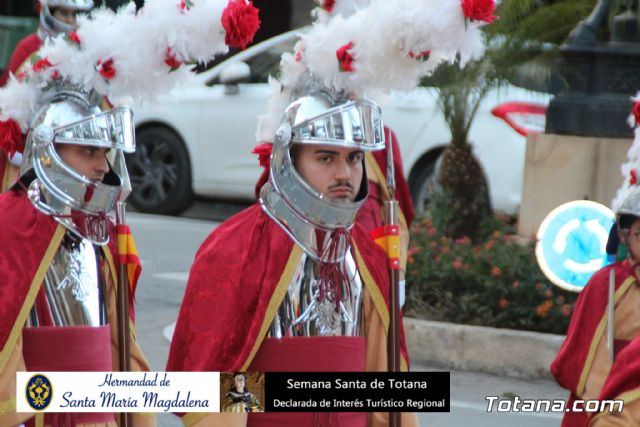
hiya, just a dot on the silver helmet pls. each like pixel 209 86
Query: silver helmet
pixel 74 200
pixel 630 208
pixel 51 26
pixel 320 116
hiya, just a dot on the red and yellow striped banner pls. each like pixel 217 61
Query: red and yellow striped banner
pixel 388 238
pixel 128 255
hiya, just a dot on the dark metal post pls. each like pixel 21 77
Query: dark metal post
pixel 601 77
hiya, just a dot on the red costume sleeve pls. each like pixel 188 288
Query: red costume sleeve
pixel 25 48
pixel 590 307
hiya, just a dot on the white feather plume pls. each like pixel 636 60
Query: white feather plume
pixel 386 38
pixel 633 163
pixel 137 45
pixel 338 7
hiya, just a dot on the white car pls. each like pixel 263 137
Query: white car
pixel 197 141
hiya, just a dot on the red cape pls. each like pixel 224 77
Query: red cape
pixel 26 234
pixel 235 285
pixel 625 373
pixel 29 240
pixel 569 365
pixel 24 49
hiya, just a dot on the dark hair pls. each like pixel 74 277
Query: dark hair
pixel 293 152
pixel 626 221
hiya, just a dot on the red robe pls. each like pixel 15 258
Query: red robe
pixel 372 214
pixel 623 383
pixel 403 194
pixel 236 284
pixel 30 239
pixel 576 359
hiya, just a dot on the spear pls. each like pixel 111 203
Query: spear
pixel 613 245
pixel 393 250
pixel 122 303
pixel 611 314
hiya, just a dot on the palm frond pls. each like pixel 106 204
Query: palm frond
pixel 522 45
pixel 553 23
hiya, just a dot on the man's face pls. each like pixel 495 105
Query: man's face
pixel 86 160
pixel 68 16
pixel 239 382
pixel 333 171
pixel 633 241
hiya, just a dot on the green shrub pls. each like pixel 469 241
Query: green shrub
pixel 495 282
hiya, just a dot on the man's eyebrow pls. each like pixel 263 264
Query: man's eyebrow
pixel 323 151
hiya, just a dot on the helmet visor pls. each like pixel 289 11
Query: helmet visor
pixel 110 129
pixel 355 124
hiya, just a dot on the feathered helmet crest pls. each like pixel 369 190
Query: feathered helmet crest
pixel 630 170
pixel 123 55
pixel 367 48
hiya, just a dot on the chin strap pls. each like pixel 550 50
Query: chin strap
pixel 333 274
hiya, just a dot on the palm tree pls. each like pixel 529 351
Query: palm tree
pixel 460 174
pixel 522 43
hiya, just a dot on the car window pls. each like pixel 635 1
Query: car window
pixel 267 63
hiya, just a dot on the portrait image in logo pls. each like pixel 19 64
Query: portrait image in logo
pixel 39 392
pixel 242 391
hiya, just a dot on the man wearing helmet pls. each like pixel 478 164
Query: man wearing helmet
pixel 56 16
pixel 60 254
pixel 585 360
pixel 313 284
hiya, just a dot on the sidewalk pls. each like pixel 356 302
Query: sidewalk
pixel 502 352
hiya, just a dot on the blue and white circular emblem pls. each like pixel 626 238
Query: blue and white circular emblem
pixel 39 392
pixel 572 243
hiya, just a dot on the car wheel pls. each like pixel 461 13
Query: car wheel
pixel 160 173
pixel 424 184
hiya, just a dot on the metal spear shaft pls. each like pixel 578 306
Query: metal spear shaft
pixel 611 314
pixel 122 295
pixel 122 306
pixel 393 339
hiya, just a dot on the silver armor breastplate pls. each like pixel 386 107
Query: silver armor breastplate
pixel 303 313
pixel 73 288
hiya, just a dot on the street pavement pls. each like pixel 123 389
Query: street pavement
pixel 167 246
